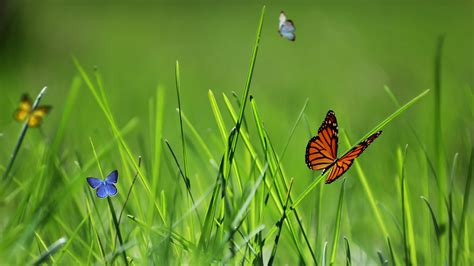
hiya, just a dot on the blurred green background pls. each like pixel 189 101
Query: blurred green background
pixel 345 53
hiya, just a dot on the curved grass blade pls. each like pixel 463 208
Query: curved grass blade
pixel 383 260
pixel 348 253
pixel 50 251
pixel 433 218
pixel 323 259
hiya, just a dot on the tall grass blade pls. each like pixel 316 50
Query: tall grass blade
pixel 280 225
pixel 406 245
pixel 392 254
pixel 117 229
pixel 183 143
pixel 450 212
pixel 464 212
pixel 337 224
pixel 440 158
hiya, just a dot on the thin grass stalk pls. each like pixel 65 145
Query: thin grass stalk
pixel 348 252
pixel 22 135
pixel 450 212
pixel 438 141
pixel 338 224
pixel 280 224
pixel 392 254
pixel 406 246
pixel 462 222
pixel 183 143
pixel 117 228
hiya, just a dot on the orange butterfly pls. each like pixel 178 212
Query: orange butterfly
pixel 35 117
pixel 321 151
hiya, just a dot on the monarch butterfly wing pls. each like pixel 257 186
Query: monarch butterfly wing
pixel 321 151
pixel 38 114
pixel 24 109
pixel 345 162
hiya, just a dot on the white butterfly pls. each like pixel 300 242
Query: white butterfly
pixel 286 27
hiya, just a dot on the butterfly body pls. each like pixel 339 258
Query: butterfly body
pixel 25 112
pixel 286 27
pixel 104 188
pixel 321 151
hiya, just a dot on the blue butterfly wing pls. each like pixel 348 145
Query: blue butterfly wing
pixel 94 182
pixel 111 189
pixel 287 30
pixel 112 177
pixel 102 191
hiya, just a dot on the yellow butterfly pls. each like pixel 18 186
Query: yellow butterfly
pixel 35 117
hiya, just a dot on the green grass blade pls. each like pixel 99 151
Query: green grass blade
pixel 66 113
pixel 392 254
pixel 55 247
pixel 348 252
pixel 440 159
pixel 183 143
pixel 434 219
pixel 406 244
pixel 290 136
pixel 117 229
pixel 323 260
pixel 280 225
pixel 464 212
pixel 251 195
pixel 450 212
pixel 337 224
pixel 199 139
pixel 383 260
pixel 250 74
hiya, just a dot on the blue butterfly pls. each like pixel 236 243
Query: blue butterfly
pixel 286 28
pixel 104 187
